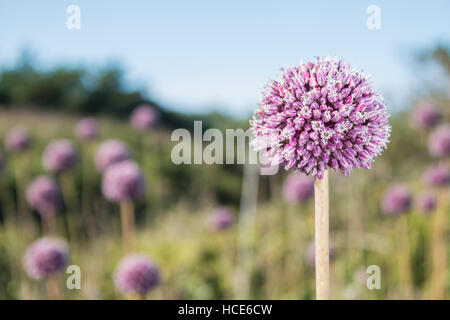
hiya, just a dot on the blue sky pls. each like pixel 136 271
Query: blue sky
pixel 199 55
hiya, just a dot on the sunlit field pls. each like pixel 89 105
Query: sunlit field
pixel 198 261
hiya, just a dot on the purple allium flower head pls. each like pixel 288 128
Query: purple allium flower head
pixel 43 195
pixel 425 115
pixel 321 115
pixel 123 181
pixel 298 188
pixel 310 254
pixel 86 128
pixel 439 141
pixel 110 152
pixel 396 200
pixel 45 257
pixel 17 140
pixel 437 175
pixel 144 117
pixel 59 156
pixel 221 218
pixel 425 202
pixel 136 273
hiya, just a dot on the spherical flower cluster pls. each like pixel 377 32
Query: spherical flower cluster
pixel 437 175
pixel 86 128
pixel 43 195
pixel 396 200
pixel 137 274
pixel 321 115
pixel 45 257
pixel 59 156
pixel 144 117
pixel 123 181
pixel 425 202
pixel 298 188
pixel 425 116
pixel 310 255
pixel 17 140
pixel 439 141
pixel 221 218
pixel 110 152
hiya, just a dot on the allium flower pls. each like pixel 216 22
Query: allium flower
pixel 136 273
pixel 45 257
pixel 425 115
pixel 439 141
pixel 86 129
pixel 321 115
pixel 43 195
pixel 144 117
pixel 437 175
pixel 110 152
pixel 298 188
pixel 17 140
pixel 425 202
pixel 221 218
pixel 397 199
pixel 123 181
pixel 59 156
pixel 310 255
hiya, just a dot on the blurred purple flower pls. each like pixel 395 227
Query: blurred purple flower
pixel 110 152
pixel 123 181
pixel 310 255
pixel 425 115
pixel 439 141
pixel 59 156
pixel 86 128
pixel 221 218
pixel 144 117
pixel 17 140
pixel 425 202
pixel 321 115
pixel 396 200
pixel 136 273
pixel 298 188
pixel 45 257
pixel 437 175
pixel 43 195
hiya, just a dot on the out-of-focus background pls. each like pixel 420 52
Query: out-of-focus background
pixel 219 231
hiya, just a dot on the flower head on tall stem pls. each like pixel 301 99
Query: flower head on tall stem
pixel 123 181
pixel 43 195
pixel 59 156
pixel 437 175
pixel 221 218
pixel 17 140
pixel 45 257
pixel 87 129
pixel 425 202
pixel 396 200
pixel 425 115
pixel 136 274
pixel 439 141
pixel 298 188
pixel 144 117
pixel 321 115
pixel 110 152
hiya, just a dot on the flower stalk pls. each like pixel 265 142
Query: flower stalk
pixel 322 247
pixel 127 223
